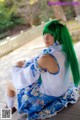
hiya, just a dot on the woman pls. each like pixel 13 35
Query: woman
pixel 43 85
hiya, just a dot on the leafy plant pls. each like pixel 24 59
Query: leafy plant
pixel 9 17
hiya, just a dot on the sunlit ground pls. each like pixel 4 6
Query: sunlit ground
pixel 73 25
pixel 1 0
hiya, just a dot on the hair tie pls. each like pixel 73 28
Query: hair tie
pixel 62 22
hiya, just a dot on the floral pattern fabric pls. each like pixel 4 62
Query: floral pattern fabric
pixel 40 106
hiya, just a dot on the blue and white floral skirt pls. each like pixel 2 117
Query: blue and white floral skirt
pixel 40 106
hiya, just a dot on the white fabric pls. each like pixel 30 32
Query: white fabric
pixel 56 85
pixel 10 101
pixel 52 84
pixel 23 77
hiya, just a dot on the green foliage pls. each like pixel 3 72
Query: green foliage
pixel 46 11
pixel 16 19
pixel 16 12
pixel 9 17
pixel 36 20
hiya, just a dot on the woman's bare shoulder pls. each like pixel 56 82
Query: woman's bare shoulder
pixel 46 61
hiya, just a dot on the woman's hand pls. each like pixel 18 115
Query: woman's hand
pixel 20 63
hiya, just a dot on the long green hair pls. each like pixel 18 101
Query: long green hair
pixel 62 35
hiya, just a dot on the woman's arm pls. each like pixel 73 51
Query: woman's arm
pixel 48 62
